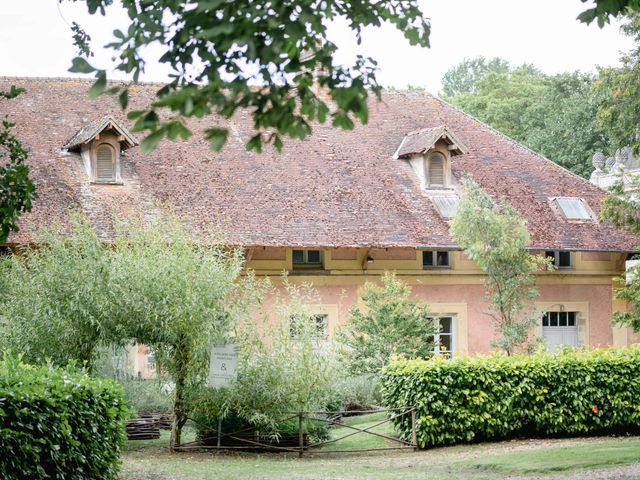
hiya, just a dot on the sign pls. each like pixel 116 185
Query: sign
pixel 223 365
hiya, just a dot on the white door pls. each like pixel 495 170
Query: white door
pixel 560 328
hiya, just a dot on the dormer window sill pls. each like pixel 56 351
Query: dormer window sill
pixel 107 183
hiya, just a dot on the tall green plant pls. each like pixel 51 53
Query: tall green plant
pixel 390 324
pixel 58 302
pixel 179 298
pixel 495 236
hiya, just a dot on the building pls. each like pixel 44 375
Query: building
pixel 339 208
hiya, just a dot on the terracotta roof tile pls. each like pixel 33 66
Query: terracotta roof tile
pixel 334 189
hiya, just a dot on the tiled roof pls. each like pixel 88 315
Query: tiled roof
pixel 336 188
pixel 421 141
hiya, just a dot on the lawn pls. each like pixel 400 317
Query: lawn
pixel 150 460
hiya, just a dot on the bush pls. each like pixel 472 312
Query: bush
pixel 58 424
pixel 482 398
pixel 147 396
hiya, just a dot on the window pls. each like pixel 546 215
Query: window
pixel 573 208
pixel 446 205
pixel 105 164
pixel 435 259
pixel 443 341
pixel 560 259
pixel 436 170
pixel 307 259
pixel 320 325
pixel 559 319
pixel 560 329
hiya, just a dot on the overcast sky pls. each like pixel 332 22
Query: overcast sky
pixel 35 39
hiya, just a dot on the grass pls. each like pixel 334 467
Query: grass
pixel 562 458
pixel 151 460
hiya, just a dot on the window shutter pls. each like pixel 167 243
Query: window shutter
pixel 105 164
pixel 436 169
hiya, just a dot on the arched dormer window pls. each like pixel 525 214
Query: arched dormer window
pixel 429 151
pixel 105 163
pixel 100 145
pixel 435 170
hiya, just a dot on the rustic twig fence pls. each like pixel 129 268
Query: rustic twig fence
pixel 250 440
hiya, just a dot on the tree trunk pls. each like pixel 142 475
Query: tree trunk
pixel 179 418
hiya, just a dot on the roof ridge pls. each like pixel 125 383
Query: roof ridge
pixel 78 79
pixel 514 141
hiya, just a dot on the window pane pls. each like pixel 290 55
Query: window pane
pixel 298 256
pixel 446 205
pixel 564 259
pixel 427 259
pixel 550 254
pixel 321 325
pixel 573 208
pixel 445 343
pixel 313 256
pixel 445 325
pixel 545 319
pixel 571 321
pixel 553 319
pixel 442 259
pixel 562 319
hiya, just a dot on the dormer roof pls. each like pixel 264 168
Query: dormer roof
pixel 421 141
pixel 92 130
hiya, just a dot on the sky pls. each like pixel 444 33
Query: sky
pixel 35 39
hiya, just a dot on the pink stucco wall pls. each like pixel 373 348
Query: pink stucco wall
pixel 479 324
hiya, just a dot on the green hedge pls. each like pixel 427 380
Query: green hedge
pixel 58 424
pixel 483 398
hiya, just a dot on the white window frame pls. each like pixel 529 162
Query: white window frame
pixel 325 326
pixel 434 258
pixel 438 334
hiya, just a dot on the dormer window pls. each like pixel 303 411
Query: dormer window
pixel 435 173
pixel 429 153
pixel 100 145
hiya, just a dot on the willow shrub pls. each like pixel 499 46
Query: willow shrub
pixel 58 424
pixel 493 397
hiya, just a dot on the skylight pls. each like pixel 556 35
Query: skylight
pixel 573 208
pixel 446 205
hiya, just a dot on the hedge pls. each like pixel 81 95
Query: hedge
pixel 495 397
pixel 58 424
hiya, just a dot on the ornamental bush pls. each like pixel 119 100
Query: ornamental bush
pixel 58 424
pixel 494 397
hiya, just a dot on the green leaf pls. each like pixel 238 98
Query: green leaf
pixel 151 141
pixel 217 138
pixel 99 86
pixel 80 65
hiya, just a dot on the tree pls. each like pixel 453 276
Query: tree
pixel 495 236
pixel 619 93
pixel 390 324
pixel 153 285
pixel 553 115
pixel 262 55
pixel 622 208
pixel 603 10
pixel 57 303
pixel 465 77
pixel 17 191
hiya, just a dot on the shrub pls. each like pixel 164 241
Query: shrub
pixel 482 398
pixel 58 424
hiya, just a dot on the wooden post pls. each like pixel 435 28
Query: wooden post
pixel 414 436
pixel 219 430
pixel 300 435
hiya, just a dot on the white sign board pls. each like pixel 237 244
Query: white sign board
pixel 223 366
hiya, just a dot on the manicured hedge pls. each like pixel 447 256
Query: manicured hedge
pixel 57 424
pixel 482 398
